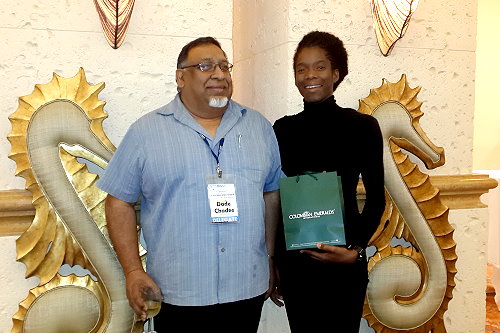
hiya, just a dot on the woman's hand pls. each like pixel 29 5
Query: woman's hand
pixel 332 254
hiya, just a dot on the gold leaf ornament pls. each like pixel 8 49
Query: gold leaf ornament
pixel 390 20
pixel 115 18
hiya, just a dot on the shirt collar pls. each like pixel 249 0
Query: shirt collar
pixel 177 109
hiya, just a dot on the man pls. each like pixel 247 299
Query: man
pixel 206 169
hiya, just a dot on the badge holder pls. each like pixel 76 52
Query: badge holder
pixel 222 198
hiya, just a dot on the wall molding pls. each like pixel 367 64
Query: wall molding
pixel 16 212
pixel 457 192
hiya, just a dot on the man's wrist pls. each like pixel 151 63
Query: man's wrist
pixel 134 270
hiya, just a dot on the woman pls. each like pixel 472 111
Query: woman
pixel 324 288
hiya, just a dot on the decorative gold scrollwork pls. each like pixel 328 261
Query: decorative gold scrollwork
pixel 57 123
pixel 410 286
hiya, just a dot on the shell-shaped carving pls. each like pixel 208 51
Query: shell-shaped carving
pixel 115 17
pixel 391 20
pixel 415 302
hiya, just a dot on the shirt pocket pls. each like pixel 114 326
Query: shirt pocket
pixel 254 158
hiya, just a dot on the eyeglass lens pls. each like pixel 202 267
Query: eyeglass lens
pixel 210 67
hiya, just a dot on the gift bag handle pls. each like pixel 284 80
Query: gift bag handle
pixel 306 173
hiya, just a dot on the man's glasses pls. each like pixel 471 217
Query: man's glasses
pixel 210 66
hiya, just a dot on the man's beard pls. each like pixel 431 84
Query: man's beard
pixel 218 102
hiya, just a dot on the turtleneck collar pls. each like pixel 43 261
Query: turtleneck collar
pixel 325 105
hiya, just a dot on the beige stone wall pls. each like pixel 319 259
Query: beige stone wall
pixel 13 286
pixel 487 117
pixel 42 37
pixel 437 53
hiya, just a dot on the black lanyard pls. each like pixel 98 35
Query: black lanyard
pixel 221 143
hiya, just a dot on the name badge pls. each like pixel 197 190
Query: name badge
pixel 222 199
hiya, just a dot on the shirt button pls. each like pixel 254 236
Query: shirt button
pixel 222 250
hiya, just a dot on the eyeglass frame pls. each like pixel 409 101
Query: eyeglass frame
pixel 229 67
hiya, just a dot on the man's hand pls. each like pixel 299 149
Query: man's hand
pixel 274 289
pixel 332 254
pixel 122 227
pixel 271 219
pixel 137 282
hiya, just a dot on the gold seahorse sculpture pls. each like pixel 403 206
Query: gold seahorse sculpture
pixel 410 286
pixel 57 123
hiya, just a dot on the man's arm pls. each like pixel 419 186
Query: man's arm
pixel 272 202
pixel 122 228
pixel 271 218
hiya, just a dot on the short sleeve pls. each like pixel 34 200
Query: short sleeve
pixel 275 172
pixel 123 175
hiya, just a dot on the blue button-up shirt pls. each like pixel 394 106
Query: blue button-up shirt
pixel 164 160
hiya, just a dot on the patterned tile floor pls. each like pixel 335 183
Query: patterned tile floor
pixel 492 311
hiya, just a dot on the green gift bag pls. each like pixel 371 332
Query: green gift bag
pixel 313 210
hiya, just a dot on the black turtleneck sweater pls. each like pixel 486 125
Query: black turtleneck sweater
pixel 326 137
